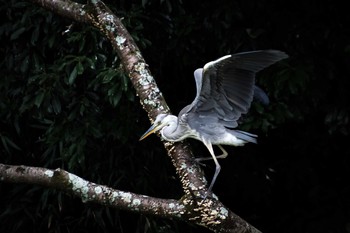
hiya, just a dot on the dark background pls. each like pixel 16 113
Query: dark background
pixel 66 103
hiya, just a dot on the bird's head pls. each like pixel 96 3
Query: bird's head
pixel 158 124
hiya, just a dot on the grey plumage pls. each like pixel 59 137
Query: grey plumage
pixel 225 90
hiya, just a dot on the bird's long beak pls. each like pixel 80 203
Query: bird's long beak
pixel 151 130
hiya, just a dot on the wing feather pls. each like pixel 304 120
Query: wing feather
pixel 225 88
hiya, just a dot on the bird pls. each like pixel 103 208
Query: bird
pixel 225 90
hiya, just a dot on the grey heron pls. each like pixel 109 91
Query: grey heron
pixel 225 90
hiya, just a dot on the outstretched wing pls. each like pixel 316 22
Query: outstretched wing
pixel 261 96
pixel 225 88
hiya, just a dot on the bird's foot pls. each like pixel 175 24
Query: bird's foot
pixel 208 196
pixel 198 160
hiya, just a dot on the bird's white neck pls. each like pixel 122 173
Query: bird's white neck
pixel 173 131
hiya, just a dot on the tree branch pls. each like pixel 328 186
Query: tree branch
pixel 210 212
pixel 152 100
pixel 91 192
pixel 218 215
pixel 65 8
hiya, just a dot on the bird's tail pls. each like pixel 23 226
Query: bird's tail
pixel 248 137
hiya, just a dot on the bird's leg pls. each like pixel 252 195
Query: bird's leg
pixel 222 156
pixel 217 165
pixel 224 153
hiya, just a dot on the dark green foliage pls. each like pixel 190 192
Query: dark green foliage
pixel 65 102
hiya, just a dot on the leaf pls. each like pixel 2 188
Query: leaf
pixel 65 61
pixel 3 140
pixel 124 82
pixel 35 35
pixel 8 142
pixel 114 99
pixel 82 44
pixel 96 132
pixel 25 64
pixel 56 105
pixel 108 77
pixel 16 125
pixel 39 99
pixel 144 2
pixel 36 60
pixel 51 40
pixel 73 76
pixel 73 113
pixel 82 110
pixel 91 63
pixel 80 68
pixel 17 33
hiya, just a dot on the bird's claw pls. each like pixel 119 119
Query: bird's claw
pixel 198 160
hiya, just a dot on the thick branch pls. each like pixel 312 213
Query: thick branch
pixel 215 215
pixel 135 66
pixel 98 14
pixel 209 212
pixel 91 192
pixel 65 8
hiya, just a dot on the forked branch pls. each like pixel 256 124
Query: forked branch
pixel 210 213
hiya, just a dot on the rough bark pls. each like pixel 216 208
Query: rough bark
pixel 91 192
pixel 208 212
